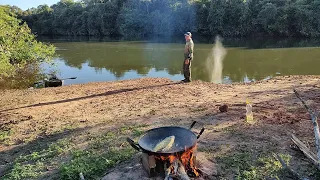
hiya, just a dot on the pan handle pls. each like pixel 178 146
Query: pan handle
pixel 133 144
pixel 200 133
pixel 194 122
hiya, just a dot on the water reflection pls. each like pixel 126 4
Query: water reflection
pixel 245 61
pixel 93 74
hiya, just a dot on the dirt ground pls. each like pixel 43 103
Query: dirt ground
pixel 45 115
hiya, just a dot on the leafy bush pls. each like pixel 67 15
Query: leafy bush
pixel 20 53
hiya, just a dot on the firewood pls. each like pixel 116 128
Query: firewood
pixel 168 175
pixel 181 173
pixel 166 172
pixel 175 166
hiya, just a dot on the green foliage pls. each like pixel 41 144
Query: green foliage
pixel 245 166
pixel 20 53
pixel 148 18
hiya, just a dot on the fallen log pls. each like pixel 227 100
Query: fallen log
pixel 314 117
pixel 306 151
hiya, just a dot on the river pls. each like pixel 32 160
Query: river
pixel 94 60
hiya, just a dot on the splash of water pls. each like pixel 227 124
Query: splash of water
pixel 215 61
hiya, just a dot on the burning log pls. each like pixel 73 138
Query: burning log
pixel 181 172
pixel 180 166
pixel 167 172
pixel 176 169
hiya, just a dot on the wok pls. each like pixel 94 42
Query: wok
pixel 184 139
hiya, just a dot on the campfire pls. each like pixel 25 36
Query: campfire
pixel 175 166
pixel 169 152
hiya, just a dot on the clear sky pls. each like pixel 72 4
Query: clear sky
pixel 25 4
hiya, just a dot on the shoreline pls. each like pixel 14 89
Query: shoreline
pixel 278 77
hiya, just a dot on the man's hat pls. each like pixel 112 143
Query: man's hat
pixel 188 34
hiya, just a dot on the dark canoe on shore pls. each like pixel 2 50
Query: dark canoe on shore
pixel 53 83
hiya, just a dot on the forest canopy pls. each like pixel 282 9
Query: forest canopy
pixel 149 18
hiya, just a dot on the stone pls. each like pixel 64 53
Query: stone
pixel 223 108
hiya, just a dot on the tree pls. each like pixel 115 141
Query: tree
pixel 149 18
pixel 267 17
pixel 216 15
pixel 20 53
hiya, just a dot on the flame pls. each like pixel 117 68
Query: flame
pixel 187 159
pixel 172 158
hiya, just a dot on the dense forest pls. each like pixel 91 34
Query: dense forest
pixel 148 18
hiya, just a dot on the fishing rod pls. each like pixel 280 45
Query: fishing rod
pixel 56 79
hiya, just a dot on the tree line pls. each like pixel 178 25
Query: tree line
pixel 149 18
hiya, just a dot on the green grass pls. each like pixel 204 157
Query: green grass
pixel 33 165
pixel 67 157
pixel 211 151
pixel 69 127
pixel 135 130
pixel 52 151
pixel 103 152
pixel 245 166
pixel 5 135
pixel 97 142
pixel 66 127
pixel 93 164
pixel 26 171
pixel 230 129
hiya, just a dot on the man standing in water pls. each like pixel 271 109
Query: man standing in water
pixel 188 56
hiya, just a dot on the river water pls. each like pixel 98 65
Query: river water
pixel 93 60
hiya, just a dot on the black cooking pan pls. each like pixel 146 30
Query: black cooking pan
pixel 184 139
